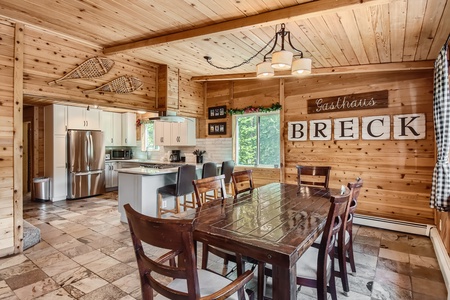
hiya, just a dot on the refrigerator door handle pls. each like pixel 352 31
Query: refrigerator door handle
pixel 87 173
pixel 91 151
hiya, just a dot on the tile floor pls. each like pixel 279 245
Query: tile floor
pixel 85 253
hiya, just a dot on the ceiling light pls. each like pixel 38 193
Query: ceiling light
pixel 278 60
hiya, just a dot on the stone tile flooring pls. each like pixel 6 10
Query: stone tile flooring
pixel 86 253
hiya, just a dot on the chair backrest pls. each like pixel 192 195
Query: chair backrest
pixel 241 177
pixel 356 188
pixel 204 185
pixel 155 232
pixel 227 169
pixel 334 222
pixel 209 169
pixel 185 175
pixel 313 175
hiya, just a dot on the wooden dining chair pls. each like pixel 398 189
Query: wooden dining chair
pixel 345 237
pixel 201 187
pixel 315 268
pixel 181 188
pixel 313 175
pixel 184 280
pixel 242 182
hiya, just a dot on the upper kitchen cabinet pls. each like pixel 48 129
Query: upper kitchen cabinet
pixel 82 118
pixel 128 129
pixel 176 134
pixel 112 128
pixel 183 133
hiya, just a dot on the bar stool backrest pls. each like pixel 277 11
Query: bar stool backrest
pixel 227 169
pixel 185 176
pixel 209 170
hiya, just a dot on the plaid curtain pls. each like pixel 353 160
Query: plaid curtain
pixel 440 190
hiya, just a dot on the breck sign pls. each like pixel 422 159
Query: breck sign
pixel 405 127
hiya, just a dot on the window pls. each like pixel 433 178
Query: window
pixel 257 139
pixel 148 137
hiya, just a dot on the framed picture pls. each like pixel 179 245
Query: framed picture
pixel 217 112
pixel 217 128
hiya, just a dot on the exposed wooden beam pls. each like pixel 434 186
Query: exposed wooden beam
pixel 292 13
pixel 403 66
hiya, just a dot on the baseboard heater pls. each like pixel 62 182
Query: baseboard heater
pixel 413 228
pixel 394 225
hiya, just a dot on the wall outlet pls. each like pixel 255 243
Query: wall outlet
pixel 164 204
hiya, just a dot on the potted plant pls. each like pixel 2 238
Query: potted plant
pixel 199 154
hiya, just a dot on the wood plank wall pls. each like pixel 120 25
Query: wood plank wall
pixel 47 57
pixel 6 140
pixel 397 174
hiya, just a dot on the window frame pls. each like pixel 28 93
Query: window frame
pixel 235 138
pixel 144 135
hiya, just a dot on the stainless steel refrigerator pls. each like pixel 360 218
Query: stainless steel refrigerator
pixel 86 159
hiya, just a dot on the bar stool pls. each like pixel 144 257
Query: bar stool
pixel 227 169
pixel 183 187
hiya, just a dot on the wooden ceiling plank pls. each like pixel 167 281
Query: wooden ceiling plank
pixel 397 23
pixel 355 22
pixel 391 67
pixel 380 23
pixel 441 34
pixel 265 19
pixel 367 32
pixel 433 14
pixel 322 30
pixel 414 21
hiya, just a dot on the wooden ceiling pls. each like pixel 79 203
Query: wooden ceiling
pixel 335 34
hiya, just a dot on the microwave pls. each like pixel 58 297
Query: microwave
pixel 121 154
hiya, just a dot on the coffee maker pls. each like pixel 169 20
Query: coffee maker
pixel 175 156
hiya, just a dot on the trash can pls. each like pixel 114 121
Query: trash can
pixel 41 188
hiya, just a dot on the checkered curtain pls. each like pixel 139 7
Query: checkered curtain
pixel 440 190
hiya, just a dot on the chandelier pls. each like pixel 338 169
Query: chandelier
pixel 276 60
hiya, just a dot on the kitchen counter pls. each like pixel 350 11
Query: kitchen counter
pixel 139 187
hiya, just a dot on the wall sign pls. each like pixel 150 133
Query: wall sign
pixel 217 128
pixel 349 102
pixel 405 127
pixel 217 112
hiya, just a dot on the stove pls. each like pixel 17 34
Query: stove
pixel 159 166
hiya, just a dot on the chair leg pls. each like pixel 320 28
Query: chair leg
pixel 159 205
pixel 261 280
pixel 343 269
pixel 351 257
pixel 332 288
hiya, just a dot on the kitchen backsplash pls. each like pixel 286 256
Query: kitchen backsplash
pixel 217 150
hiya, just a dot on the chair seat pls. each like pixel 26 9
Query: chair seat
pixel 209 283
pixel 168 190
pixel 347 238
pixel 307 264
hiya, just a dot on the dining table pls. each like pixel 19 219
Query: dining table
pixel 275 224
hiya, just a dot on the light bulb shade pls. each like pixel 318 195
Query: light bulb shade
pixel 282 60
pixel 264 69
pixel 301 66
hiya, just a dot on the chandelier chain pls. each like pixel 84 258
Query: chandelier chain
pixel 208 58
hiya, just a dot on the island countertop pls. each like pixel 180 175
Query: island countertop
pixel 152 172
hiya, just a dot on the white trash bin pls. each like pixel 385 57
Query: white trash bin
pixel 41 187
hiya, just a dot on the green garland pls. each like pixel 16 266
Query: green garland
pixel 253 109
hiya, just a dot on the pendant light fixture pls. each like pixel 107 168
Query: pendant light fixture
pixel 282 59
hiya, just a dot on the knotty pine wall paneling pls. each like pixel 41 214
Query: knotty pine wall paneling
pixel 6 140
pixel 49 57
pixel 397 173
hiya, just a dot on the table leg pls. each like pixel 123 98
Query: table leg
pixel 284 283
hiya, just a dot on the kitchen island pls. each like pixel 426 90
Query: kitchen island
pixel 139 186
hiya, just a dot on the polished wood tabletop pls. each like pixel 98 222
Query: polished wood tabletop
pixel 275 223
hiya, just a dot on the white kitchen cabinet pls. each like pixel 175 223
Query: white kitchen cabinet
pixel 111 174
pixel 128 129
pixel 175 134
pixel 81 118
pixel 55 150
pixel 183 133
pixel 163 133
pixel 112 128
